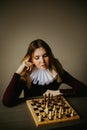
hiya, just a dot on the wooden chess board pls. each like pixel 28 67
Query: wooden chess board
pixel 47 110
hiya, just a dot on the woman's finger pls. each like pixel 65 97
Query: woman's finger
pixel 29 65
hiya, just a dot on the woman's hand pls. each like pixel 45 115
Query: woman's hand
pixel 52 93
pixel 24 64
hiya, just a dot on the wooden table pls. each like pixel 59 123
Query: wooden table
pixel 20 118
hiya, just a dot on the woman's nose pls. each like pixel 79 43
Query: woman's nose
pixel 42 59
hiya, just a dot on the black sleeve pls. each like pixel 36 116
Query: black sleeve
pixel 77 87
pixel 13 90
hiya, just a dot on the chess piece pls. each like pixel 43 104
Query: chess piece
pixel 54 108
pixel 72 113
pixel 59 115
pixel 46 109
pixel 45 98
pixel 44 114
pixel 55 114
pixel 40 117
pixel 50 115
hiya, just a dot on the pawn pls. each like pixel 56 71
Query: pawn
pixel 55 114
pixel 72 113
pixel 50 115
pixel 59 115
pixel 40 117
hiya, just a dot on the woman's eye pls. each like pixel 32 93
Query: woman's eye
pixel 37 57
pixel 45 55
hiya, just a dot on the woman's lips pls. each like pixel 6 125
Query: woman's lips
pixel 44 66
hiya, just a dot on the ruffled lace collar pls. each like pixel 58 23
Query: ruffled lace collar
pixel 43 77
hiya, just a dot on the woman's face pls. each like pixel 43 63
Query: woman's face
pixel 40 58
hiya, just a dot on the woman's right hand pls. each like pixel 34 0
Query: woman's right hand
pixel 25 64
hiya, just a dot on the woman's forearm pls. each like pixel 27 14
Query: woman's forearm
pixel 77 87
pixel 10 92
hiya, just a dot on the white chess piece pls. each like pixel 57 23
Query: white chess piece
pixel 50 115
pixel 40 118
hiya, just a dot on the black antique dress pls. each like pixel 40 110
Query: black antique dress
pixel 16 85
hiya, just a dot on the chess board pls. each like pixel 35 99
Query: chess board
pixel 47 110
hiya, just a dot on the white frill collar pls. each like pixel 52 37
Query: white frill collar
pixel 43 77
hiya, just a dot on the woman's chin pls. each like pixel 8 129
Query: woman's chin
pixel 43 67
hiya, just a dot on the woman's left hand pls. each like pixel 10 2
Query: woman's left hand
pixel 53 93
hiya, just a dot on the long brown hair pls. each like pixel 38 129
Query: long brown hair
pixel 54 62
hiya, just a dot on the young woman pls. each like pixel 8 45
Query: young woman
pixel 40 73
